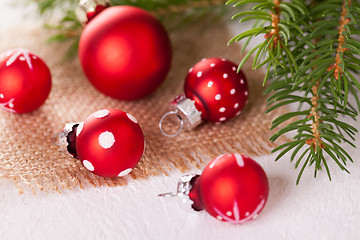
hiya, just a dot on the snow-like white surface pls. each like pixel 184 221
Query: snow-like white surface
pixel 316 209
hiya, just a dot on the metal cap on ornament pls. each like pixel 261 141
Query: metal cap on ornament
pixel 66 139
pixel 183 188
pixel 186 111
pixel 88 9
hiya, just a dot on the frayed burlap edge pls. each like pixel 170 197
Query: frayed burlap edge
pixel 29 159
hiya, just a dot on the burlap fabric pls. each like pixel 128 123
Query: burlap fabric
pixel 29 159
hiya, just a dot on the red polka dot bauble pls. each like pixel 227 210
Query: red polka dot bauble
pixel 232 188
pixel 25 81
pixel 219 92
pixel 109 142
pixel 214 91
pixel 125 52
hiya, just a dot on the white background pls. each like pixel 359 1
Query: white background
pixel 316 209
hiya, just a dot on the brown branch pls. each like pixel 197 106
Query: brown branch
pixel 275 19
pixel 316 122
pixel 343 21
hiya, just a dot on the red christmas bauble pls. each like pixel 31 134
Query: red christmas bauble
pixel 125 52
pixel 109 143
pixel 219 92
pixel 25 81
pixel 232 188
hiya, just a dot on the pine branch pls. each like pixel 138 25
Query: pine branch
pixel 310 62
pixel 170 12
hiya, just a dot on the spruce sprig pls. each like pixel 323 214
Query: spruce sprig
pixel 311 56
pixel 170 12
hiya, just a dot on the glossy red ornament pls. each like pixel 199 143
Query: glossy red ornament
pixel 25 81
pixel 109 142
pixel 232 188
pixel 219 92
pixel 125 52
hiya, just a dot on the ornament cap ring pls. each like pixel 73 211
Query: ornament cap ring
pixel 162 120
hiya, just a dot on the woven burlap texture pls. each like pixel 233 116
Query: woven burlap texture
pixel 29 159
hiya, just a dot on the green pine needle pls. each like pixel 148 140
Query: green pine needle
pixel 310 65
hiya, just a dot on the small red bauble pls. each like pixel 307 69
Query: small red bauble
pixel 109 142
pixel 25 81
pixel 214 92
pixel 125 52
pixel 232 188
pixel 219 92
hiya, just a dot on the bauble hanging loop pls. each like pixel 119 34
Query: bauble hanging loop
pixel 109 142
pixel 232 188
pixel 214 91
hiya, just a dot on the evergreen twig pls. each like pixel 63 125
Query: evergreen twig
pixel 170 12
pixel 311 57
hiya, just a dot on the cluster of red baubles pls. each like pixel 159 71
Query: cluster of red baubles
pixel 126 54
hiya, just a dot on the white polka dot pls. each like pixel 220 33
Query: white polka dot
pixel 210 83
pixel 222 109
pixel 190 70
pixel 203 59
pixel 79 129
pixel 222 119
pixel 132 118
pixel 11 105
pixel 88 165
pixel 223 59
pixel 1 95
pixel 225 75
pixel 232 91
pixel 106 139
pixel 236 105
pixel 101 113
pixel 218 97
pixel 22 58
pixel 199 74
pixel 212 65
pixel 239 160
pixel 234 69
pixel 219 217
pixel 247 214
pixel 125 172
pixel 242 81
pixel 34 57
pixel 213 162
pixel 246 93
pixel 229 213
pixel 238 113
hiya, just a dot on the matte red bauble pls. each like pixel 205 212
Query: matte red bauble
pixel 125 52
pixel 25 81
pixel 219 92
pixel 232 188
pixel 214 92
pixel 109 142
